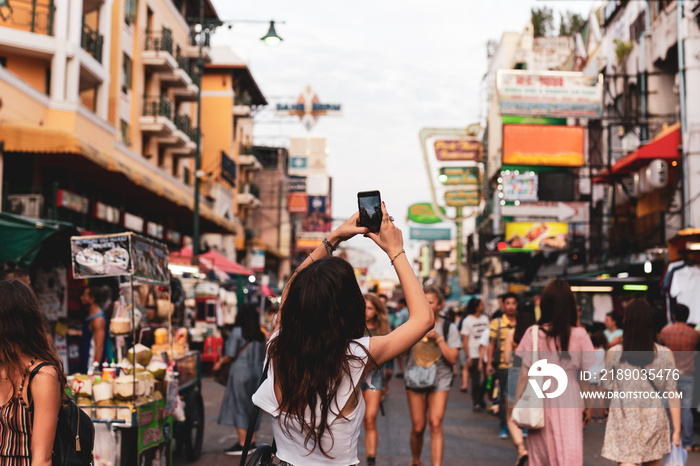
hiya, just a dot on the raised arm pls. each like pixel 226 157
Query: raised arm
pixel 420 316
pixel 343 233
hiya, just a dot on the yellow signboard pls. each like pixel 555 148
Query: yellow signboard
pixel 535 236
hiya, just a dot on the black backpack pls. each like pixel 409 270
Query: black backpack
pixel 75 432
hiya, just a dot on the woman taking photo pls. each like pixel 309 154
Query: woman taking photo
pixel 377 322
pixel 27 426
pixel 319 355
pixel 637 430
pixel 560 441
pixel 246 347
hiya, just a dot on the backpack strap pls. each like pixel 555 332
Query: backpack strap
pixel 34 372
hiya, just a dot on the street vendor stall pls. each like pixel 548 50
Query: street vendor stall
pixel 152 393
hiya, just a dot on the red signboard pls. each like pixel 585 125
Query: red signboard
pixel 464 150
pixel 543 145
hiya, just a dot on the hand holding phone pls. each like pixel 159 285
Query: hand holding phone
pixel 369 204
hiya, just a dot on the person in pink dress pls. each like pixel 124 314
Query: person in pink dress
pixel 560 441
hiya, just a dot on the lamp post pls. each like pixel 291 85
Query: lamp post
pixel 271 39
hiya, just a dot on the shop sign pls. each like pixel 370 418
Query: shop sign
pixel 298 203
pixel 424 214
pixel 317 217
pixel 155 230
pixel 228 169
pixel 462 198
pixel 454 150
pixel 518 186
pixel 150 259
pixel 155 425
pixel 297 184
pixel 99 256
pixel 536 236
pixel 309 240
pixel 173 237
pixel 308 108
pixel 298 165
pixel 107 213
pixel 554 94
pixel 72 201
pixel 460 176
pixel 430 234
pixel 133 222
pixel 543 145
pixel 257 260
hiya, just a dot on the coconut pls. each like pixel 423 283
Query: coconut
pixel 82 385
pixel 143 354
pixel 102 390
pixel 123 413
pixel 105 413
pixel 157 367
pixel 85 403
pixel 120 325
pixel 124 387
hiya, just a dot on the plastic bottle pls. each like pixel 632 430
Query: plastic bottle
pixel 489 382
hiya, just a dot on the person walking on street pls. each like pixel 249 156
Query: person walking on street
pixel 28 411
pixel 560 441
pixel 473 326
pixel 246 347
pixel 94 337
pixel 496 355
pixel 637 430
pixel 525 319
pixel 377 324
pixel 683 340
pixel 319 355
pixel 439 350
pixel 613 331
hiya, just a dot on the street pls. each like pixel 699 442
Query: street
pixel 470 438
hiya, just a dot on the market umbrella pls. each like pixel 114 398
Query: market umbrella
pixel 23 237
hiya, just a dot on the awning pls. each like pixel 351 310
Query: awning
pixel 23 237
pixel 664 146
pixel 34 139
pixel 212 260
pixel 267 291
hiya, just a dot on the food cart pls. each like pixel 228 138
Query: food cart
pixel 153 395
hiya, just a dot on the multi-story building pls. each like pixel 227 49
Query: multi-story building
pixel 230 96
pixel 97 118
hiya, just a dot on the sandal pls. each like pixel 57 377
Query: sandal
pixel 694 448
pixel 522 460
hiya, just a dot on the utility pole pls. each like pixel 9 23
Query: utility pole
pixel 198 151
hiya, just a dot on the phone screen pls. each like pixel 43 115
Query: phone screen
pixel 370 207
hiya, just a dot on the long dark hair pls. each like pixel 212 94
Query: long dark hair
pixel 323 312
pixel 24 329
pixel 248 320
pixel 525 318
pixel 558 311
pixel 472 306
pixel 638 337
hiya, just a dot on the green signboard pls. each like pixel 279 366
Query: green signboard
pixel 155 425
pixel 430 234
pixel 424 213
pixel 459 176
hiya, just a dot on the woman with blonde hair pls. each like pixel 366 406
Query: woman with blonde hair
pixel 28 406
pixel 319 355
pixel 377 322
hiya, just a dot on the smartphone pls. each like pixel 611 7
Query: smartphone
pixel 369 204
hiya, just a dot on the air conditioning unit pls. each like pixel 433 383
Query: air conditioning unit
pixel 28 205
pixel 658 173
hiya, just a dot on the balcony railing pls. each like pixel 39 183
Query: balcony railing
pixel 91 41
pixel 158 106
pixel 186 64
pixel 159 41
pixel 184 124
pixel 29 15
pixel 244 149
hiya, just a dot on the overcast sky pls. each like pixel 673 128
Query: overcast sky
pixel 395 66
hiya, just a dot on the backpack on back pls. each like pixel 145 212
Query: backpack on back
pixel 75 432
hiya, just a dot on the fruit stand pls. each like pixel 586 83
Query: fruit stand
pixel 151 395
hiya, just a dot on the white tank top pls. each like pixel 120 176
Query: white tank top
pixel 346 431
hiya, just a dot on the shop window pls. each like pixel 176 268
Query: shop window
pixel 126 73
pixel 125 132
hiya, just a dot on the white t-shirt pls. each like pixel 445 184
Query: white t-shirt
pixel 484 341
pixel 685 288
pixel 346 430
pixel 474 327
